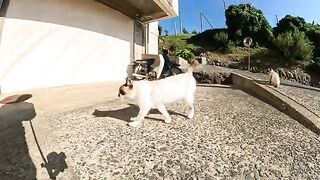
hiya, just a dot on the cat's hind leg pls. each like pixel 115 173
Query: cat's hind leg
pixel 189 100
pixel 164 112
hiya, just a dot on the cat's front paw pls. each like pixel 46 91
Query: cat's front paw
pixel 135 123
pixel 190 115
pixel 167 120
pixel 133 119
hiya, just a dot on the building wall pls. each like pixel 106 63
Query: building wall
pixel 153 38
pixel 46 43
pixel 139 40
pixel 146 39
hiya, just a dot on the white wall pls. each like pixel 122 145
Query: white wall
pixel 139 39
pixel 153 38
pixel 151 41
pixel 48 43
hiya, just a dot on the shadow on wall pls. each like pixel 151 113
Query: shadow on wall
pixel 88 15
pixel 15 161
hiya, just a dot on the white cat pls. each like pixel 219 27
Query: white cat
pixel 158 93
pixel 274 78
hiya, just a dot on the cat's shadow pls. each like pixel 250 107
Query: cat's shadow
pixel 131 111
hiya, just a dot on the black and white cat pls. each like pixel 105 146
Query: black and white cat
pixel 158 93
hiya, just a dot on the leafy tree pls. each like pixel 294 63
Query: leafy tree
pixel 294 47
pixel 184 31
pixel 166 32
pixel 245 20
pixel 312 31
pixel 290 23
pixel 194 32
pixel 160 30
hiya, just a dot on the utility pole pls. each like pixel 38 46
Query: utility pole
pixel 201 22
pixel 224 4
pixel 248 42
pixel 175 28
pixel 275 15
pixel 180 20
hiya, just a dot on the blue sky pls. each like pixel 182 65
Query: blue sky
pixel 214 11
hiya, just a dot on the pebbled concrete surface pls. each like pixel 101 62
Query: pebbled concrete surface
pixel 233 135
pixel 309 98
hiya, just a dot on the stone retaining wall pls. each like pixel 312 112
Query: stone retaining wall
pixel 213 78
pixel 292 75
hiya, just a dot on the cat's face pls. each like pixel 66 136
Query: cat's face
pixel 270 70
pixel 126 89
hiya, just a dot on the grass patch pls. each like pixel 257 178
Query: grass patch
pixel 174 43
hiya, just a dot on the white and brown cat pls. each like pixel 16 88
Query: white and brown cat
pixel 274 78
pixel 158 93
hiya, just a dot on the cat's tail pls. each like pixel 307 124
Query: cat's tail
pixel 192 66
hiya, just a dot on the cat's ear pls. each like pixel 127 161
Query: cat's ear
pixel 128 82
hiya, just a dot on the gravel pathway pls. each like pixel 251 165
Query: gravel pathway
pixel 233 135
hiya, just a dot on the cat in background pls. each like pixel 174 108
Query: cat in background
pixel 274 78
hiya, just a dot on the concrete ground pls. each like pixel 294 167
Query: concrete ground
pixel 25 132
pixel 233 135
pixel 307 96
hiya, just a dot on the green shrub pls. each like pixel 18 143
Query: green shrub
pixel 206 38
pixel 294 47
pixel 194 32
pixel 185 54
pixel 230 48
pixel 313 34
pixel 174 46
pixel 174 43
pixel 222 39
